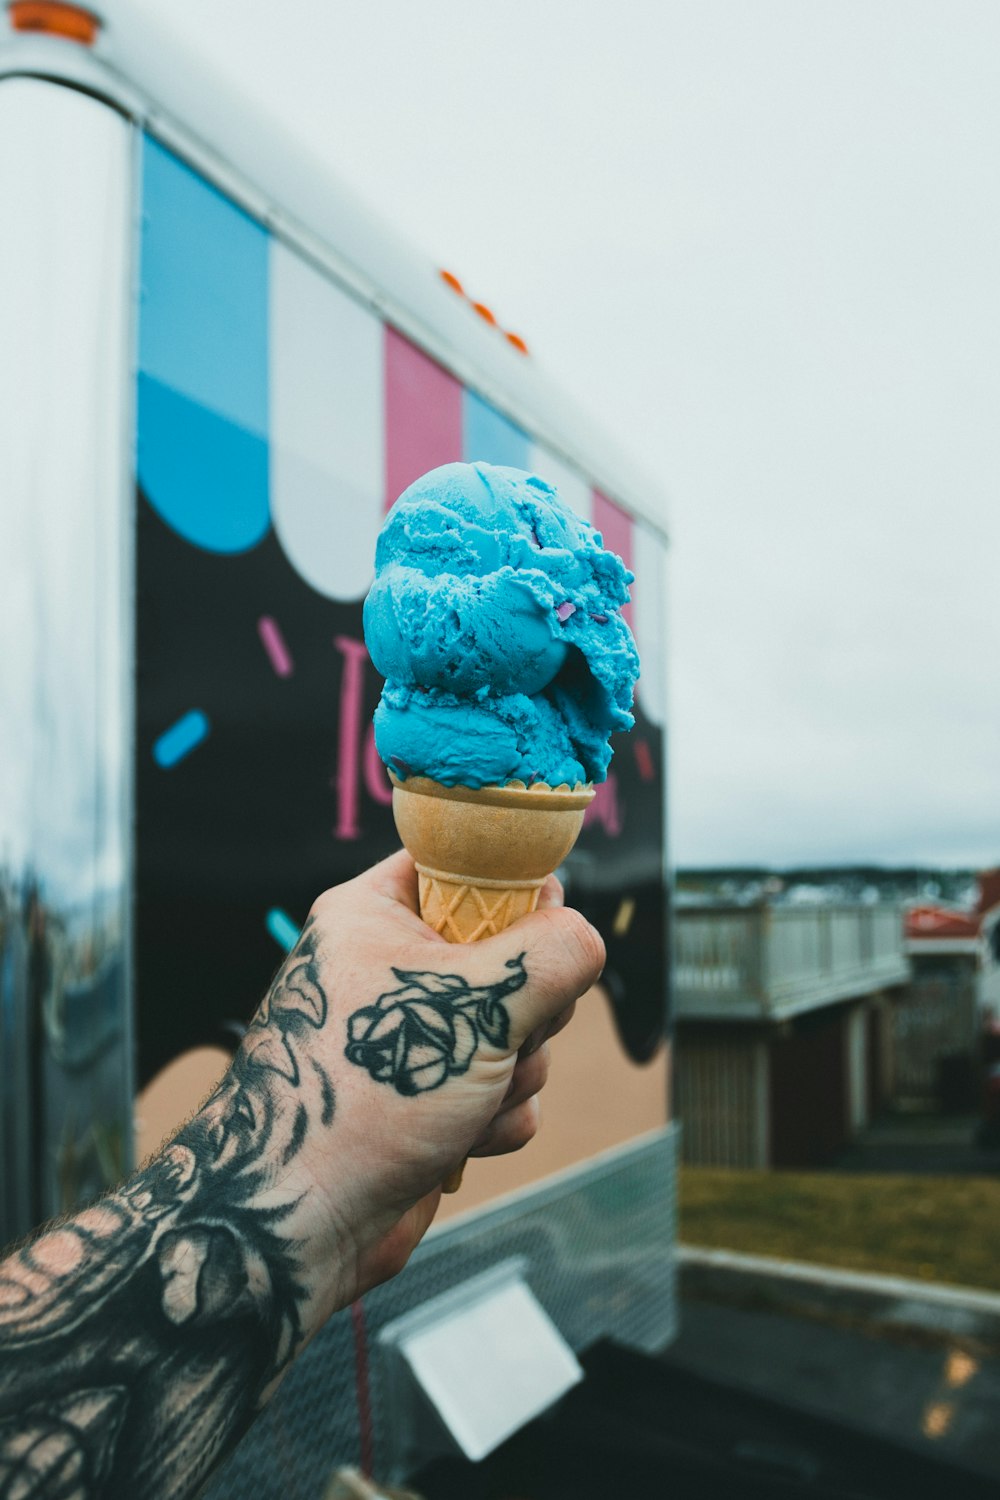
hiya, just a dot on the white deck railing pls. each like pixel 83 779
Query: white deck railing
pixel 747 963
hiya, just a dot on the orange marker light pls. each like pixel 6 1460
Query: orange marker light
pixel 55 19
pixel 486 313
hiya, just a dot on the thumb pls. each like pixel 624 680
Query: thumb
pixel 536 968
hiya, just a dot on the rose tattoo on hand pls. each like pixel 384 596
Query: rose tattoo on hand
pixel 427 1031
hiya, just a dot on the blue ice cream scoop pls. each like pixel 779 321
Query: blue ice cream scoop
pixel 495 618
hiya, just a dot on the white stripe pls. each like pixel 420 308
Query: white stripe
pixel 327 427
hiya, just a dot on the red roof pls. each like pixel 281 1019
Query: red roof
pixel 989 891
pixel 934 922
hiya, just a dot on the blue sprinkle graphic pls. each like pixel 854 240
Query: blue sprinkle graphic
pixel 281 927
pixel 180 739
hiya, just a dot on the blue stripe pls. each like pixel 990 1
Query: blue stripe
pixel 490 437
pixel 180 739
pixel 203 359
pixel 281 927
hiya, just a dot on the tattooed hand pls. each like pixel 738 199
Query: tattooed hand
pixel 139 1339
pixel 443 1055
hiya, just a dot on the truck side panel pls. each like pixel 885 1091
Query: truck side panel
pixel 65 666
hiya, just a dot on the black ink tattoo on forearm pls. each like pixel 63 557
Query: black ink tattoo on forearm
pixel 427 1030
pixel 179 1297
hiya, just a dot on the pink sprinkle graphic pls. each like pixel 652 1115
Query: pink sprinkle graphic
pixel 605 808
pixel 644 760
pixel 563 611
pixel 274 644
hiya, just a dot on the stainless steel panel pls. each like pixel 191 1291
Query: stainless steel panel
pixel 597 1246
pixel 65 648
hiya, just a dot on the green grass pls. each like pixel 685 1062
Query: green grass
pixel 931 1228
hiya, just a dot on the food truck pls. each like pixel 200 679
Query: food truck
pixel 218 369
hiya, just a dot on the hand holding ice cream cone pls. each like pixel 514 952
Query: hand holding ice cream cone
pixel 495 618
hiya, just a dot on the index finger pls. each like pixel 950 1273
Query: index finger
pixel 396 878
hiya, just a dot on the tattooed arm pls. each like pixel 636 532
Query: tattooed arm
pixel 139 1339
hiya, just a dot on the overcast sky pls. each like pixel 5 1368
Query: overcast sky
pixel 760 239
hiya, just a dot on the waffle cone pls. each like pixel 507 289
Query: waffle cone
pixel 482 855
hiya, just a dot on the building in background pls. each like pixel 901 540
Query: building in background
pixel 952 997
pixel 988 914
pixel 938 1021
pixel 802 1014
pixel 783 1028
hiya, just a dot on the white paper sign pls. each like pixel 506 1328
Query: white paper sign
pixel 489 1362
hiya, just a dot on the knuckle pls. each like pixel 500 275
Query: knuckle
pixel 528 1119
pixel 320 908
pixel 583 941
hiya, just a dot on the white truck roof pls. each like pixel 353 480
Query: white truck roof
pixel 142 70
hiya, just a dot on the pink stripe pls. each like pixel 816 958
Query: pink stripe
pixel 615 525
pixel 274 644
pixel 423 415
